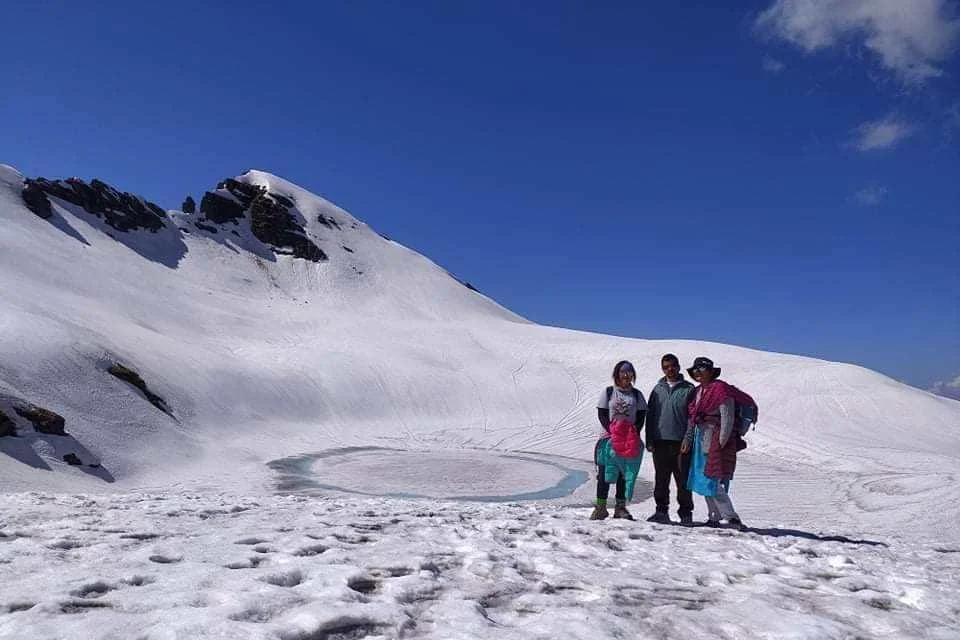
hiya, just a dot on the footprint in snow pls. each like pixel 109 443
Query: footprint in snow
pixel 290 578
pixel 363 584
pixel 164 559
pixel 346 627
pixel 140 536
pixel 349 539
pixel 390 572
pixel 82 606
pixel 92 590
pixel 249 563
pixel 66 544
pixel 310 550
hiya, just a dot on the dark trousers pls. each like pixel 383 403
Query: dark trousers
pixel 603 487
pixel 669 463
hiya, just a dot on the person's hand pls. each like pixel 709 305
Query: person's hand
pixel 650 447
pixel 684 447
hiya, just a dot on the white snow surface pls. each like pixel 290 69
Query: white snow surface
pixel 207 565
pixel 299 392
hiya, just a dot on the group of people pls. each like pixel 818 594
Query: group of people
pixel 691 432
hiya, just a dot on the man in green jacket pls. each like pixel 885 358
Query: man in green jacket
pixel 666 425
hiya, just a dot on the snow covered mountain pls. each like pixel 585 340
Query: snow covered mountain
pixel 193 348
pixel 171 376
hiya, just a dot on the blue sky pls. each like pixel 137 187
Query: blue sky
pixel 753 172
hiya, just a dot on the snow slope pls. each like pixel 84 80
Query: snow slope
pixel 262 356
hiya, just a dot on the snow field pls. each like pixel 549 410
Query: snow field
pixel 164 567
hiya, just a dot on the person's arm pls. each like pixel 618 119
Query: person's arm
pixel 687 442
pixel 604 416
pixel 653 415
pixel 727 410
pixel 687 438
pixel 641 416
pixel 603 410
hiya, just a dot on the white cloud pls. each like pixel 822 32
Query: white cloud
pixel 947 389
pixel 884 133
pixel 910 37
pixel 871 195
pixel 773 65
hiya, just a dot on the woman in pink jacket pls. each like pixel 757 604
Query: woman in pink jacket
pixel 621 409
pixel 714 440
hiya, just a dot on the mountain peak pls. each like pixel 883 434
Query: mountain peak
pixel 274 217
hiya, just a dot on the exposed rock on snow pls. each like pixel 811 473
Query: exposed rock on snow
pixel 189 205
pixel 328 222
pixel 7 426
pixel 131 377
pixel 272 223
pixel 43 420
pixel 36 200
pixel 273 220
pixel 122 211
pixel 219 208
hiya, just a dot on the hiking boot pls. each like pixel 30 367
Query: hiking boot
pixel 659 518
pixel 686 520
pixel 735 523
pixel 713 524
pixel 620 511
pixel 599 512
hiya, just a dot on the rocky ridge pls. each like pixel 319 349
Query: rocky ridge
pixel 273 218
pixel 120 210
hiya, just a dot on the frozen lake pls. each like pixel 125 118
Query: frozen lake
pixel 465 475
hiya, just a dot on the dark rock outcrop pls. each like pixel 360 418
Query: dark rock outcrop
pixel 131 377
pixel 285 201
pixel 120 210
pixel 72 459
pixel 219 208
pixel 43 420
pixel 272 224
pixel 36 200
pixel 7 426
pixel 328 222
pixel 274 218
pixel 271 219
